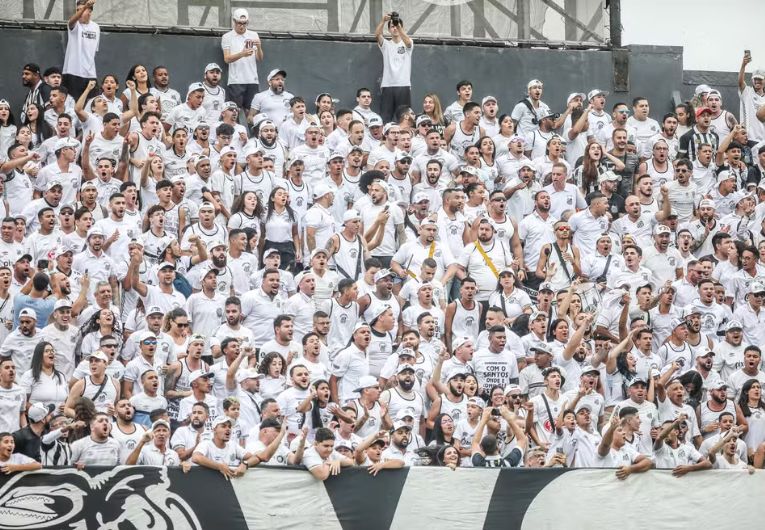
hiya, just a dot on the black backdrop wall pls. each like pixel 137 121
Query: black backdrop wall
pixel 314 66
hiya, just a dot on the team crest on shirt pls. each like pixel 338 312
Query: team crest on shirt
pixel 246 267
pixel 222 286
pixel 354 253
pixel 645 276
pixel 569 200
pixel 219 312
pixel 453 230
pixel 456 415
pixel 343 319
pixel 299 201
pixel 671 261
pixel 469 321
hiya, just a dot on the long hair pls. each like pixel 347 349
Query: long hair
pixel 493 151
pixel 688 112
pixel 743 399
pixel 37 363
pixel 316 407
pixel 590 167
pixel 238 205
pixel 92 326
pixel 438 112
pixel 171 315
pixel 694 378
pixel 268 359
pixel 43 130
pixel 438 433
pixel 131 76
pixel 10 121
pixel 551 328
pixel 290 212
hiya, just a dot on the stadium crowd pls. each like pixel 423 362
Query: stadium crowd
pixel 230 275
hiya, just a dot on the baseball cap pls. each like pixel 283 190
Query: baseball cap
pixel 215 244
pixel 159 423
pixel 585 405
pixel 703 110
pixel 486 99
pixel 193 87
pixel 638 381
pixel 456 370
pixel 717 384
pixel 28 312
pixel 382 273
pixel 546 113
pixel 206 206
pixel 608 175
pixel 676 323
pixel 477 401
pixel 360 325
pixel 374 121
pixel 315 252
pixel 101 356
pixel 52 184
pixel 366 381
pixel 165 265
pixel 546 286
pixel 377 310
pixel 273 73
pixel 757 287
pixel 517 138
pixel 428 221
pixel 575 95
pixel 705 352
pixel 758 74
pixel 596 92
pixel 321 189
pixel 470 170
pixel 336 154
pixel 220 420
pixel 404 367
pixel 400 425
pixel 702 89
pixel 533 83
pixel 38 411
pixel 227 149
pixel 460 342
pixel 196 337
pixel 240 14
pixel 342 443
pixel 707 203
pixel 253 149
pixel 62 303
pixel 350 215
pixel 734 324
pixel 198 374
pixel 512 387
pixel 212 66
pixel 420 196
pixel 423 118
pixel 248 373
pixel 402 352
pixel 269 251
pixel 541 348
pixel 153 310
pixel 401 155
pixel 145 335
pixel 661 229
pixel 536 314
pixel 406 412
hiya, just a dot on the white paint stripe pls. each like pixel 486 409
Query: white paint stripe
pixel 435 496
pixel 656 499
pixel 284 498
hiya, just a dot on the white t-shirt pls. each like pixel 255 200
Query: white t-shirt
pixel 397 64
pixel 80 58
pixel 231 454
pixel 245 70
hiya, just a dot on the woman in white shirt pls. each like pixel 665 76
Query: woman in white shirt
pixel 281 229
pixel 140 76
pixel 513 302
pixel 750 415
pixel 43 383
pixel 152 172
pixel 176 325
pixel 247 212
pixel 274 368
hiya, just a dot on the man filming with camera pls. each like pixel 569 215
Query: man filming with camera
pixel 396 84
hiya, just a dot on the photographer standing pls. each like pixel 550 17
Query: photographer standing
pixel 396 84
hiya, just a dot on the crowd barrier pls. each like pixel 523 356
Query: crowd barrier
pixel 159 498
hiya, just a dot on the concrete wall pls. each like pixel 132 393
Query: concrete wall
pixel 342 67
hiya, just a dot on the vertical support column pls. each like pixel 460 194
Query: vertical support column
pixel 615 22
pixel 455 18
pixel 570 29
pixel 524 19
pixel 375 14
pixel 479 17
pixel 333 16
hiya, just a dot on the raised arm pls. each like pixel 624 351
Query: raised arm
pixel 79 12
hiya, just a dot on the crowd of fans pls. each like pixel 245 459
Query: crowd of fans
pixel 227 276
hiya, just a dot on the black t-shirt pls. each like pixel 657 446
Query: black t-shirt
pixel 511 460
pixel 27 443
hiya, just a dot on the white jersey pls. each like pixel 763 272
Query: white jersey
pixel 466 322
pixel 349 258
pixel 462 140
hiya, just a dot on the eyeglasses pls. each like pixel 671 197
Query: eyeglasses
pixel 622 112
pixel 515 397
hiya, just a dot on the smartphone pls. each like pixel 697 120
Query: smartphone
pixel 43 264
pixel 748 54
pixel 559 450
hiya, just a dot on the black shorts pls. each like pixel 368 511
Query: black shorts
pixel 76 85
pixel 242 94
pixel 392 98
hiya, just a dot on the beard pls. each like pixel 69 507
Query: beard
pixel 406 385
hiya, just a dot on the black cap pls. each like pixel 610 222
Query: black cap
pixel 32 67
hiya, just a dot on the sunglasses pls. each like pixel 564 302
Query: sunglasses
pixel 112 345
pixel 150 342
pixel 182 324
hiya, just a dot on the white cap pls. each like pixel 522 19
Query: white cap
pixel 212 66
pixel 38 411
pixel 661 229
pixel 214 244
pixel 52 184
pixel 270 251
pixel 596 92
pixel 220 420
pixel 193 87
pixel 401 425
pixel 404 367
pixel 315 252
pixel 160 423
pixel 62 303
pixel 758 74
pixel 366 381
pixel 321 189
pixel 382 273
pixel 198 374
pixel 248 373
pixel 459 342
pixel 274 72
pixel 377 310
pixel 350 215
pixel 226 150
pixel 28 312
pixel 608 175
pixel 420 196
pixel 486 99
pixel 374 121
pixel 533 83
pixel 702 89
pixel 95 230
pixel 240 14
pixel 575 95
pixel 101 356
